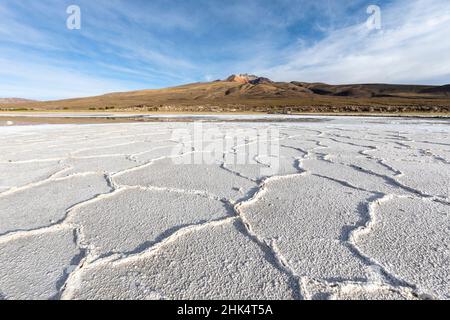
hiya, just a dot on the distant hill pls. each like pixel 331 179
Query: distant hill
pixel 14 100
pixel 445 90
pixel 246 93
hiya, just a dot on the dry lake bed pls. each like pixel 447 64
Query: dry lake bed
pixel 316 208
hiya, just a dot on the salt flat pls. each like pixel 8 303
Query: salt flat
pixel 346 208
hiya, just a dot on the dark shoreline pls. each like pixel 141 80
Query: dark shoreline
pixel 86 118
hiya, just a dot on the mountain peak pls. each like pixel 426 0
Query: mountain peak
pixel 248 78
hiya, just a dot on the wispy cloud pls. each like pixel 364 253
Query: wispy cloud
pixel 410 48
pixel 45 82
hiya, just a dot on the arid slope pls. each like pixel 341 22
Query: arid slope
pixel 251 93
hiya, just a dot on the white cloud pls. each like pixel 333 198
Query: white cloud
pixel 43 81
pixel 412 47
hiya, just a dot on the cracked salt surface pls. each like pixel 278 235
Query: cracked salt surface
pixel 214 262
pixel 432 180
pixel 111 164
pixel 34 265
pixel 26 173
pixel 138 218
pixel 410 237
pixel 166 173
pixel 320 290
pixel 311 228
pixel 37 205
pixel 359 209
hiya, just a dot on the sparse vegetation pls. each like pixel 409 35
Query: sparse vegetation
pixel 268 97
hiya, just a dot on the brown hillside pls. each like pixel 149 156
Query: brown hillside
pixel 251 93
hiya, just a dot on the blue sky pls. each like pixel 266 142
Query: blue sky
pixel 140 44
